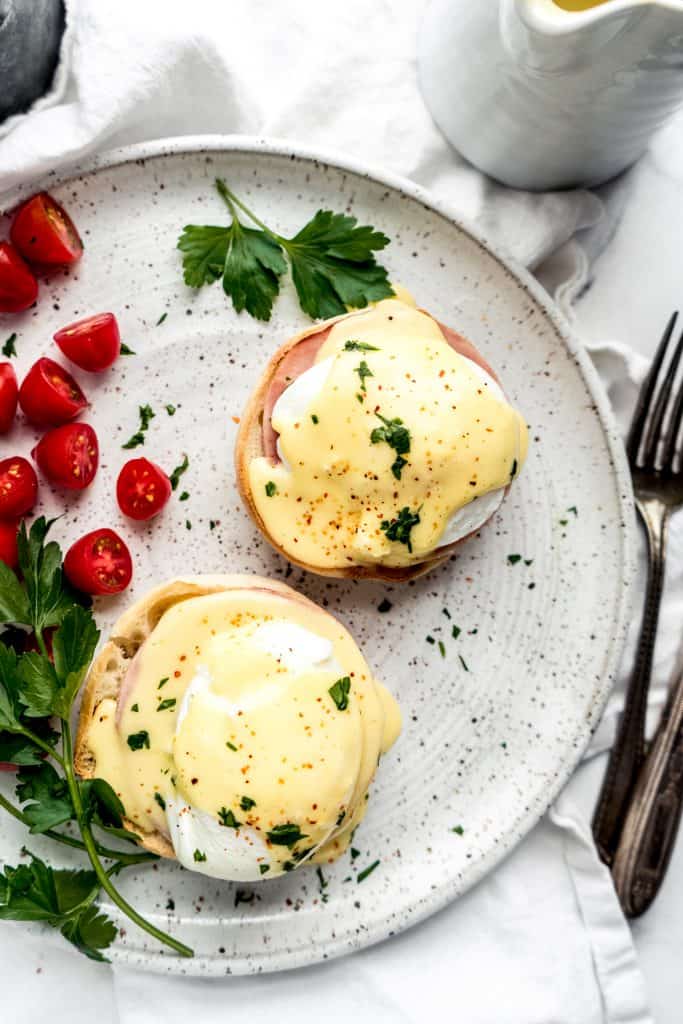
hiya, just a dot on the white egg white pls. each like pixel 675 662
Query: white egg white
pixel 298 398
pixel 239 854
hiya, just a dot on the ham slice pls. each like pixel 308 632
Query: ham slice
pixel 302 356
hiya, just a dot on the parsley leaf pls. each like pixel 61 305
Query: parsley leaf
pixel 397 436
pixel 178 472
pixel 73 646
pixel 47 598
pixel 49 792
pixel 146 414
pixel 331 258
pixel 340 693
pixel 400 528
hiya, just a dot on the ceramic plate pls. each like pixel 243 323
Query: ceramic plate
pixel 494 727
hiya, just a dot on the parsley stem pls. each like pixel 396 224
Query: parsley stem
pixel 231 201
pixel 91 849
pixel 45 747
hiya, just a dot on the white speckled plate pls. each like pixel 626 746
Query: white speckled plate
pixel 495 726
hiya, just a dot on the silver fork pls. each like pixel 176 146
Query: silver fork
pixel 658 485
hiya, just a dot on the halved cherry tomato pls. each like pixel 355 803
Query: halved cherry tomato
pixel 18 487
pixel 142 489
pixel 43 232
pixel 49 396
pixel 99 563
pixel 93 344
pixel 9 529
pixel 68 455
pixel 8 396
pixel 18 286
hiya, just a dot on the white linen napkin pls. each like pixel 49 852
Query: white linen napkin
pixel 542 939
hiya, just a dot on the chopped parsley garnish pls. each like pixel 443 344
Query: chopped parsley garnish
pixel 271 488
pixel 359 346
pixel 399 529
pixel 199 856
pixel 178 472
pixel 162 682
pixel 340 693
pixel 513 559
pixel 166 705
pixel 455 632
pixel 246 803
pixel 264 869
pixel 170 409
pixel 9 349
pixel 363 371
pixel 463 663
pixel 213 523
pixel 230 746
pixel 161 319
pixel 528 561
pixel 314 419
pixel 138 740
pixel 160 800
pixel 442 648
pixel 184 496
pixel 573 508
pixel 430 639
pixel 188 524
pixel 288 865
pixel 135 707
pixel 228 819
pixel 286 835
pixel 323 884
pixel 354 853
pixel 397 436
pixel 146 414
pixel 331 260
pixel 513 471
pixel 446 612
pixel 459 830
pixel 362 875
pixel 340 818
pixel 384 606
pixel 563 522
pixel 125 350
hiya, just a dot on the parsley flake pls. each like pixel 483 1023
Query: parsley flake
pixel 230 746
pixel 170 409
pixel 397 436
pixel 271 488
pixel 455 632
pixel 135 707
pixel 264 869
pixel 184 496
pixel 9 349
pixel 459 830
pixel 160 800
pixel 228 819
pixel 199 856
pixel 359 346
pixel 138 740
pixel 463 663
pixel 178 472
pixel 246 803
pixel 399 528
pixel 162 682
pixel 340 693
pixel 363 371
pixel 146 414
pixel 161 319
pixel 125 350
pixel 513 559
pixel 442 648
pixel 166 705
pixel 362 875
pixel 314 419
pixel 286 835
pixel 384 606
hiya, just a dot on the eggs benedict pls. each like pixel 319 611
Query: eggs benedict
pixel 376 442
pixel 239 725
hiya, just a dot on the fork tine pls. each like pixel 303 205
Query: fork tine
pixel 669 453
pixel 654 433
pixel 646 392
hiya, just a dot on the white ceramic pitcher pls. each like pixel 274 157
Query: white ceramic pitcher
pixel 540 97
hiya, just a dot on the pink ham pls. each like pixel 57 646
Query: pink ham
pixel 302 356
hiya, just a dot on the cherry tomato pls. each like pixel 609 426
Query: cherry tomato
pixel 99 563
pixel 43 232
pixel 18 286
pixel 93 344
pixel 18 487
pixel 9 529
pixel 8 396
pixel 49 396
pixel 142 489
pixel 68 455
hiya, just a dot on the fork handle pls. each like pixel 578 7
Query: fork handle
pixel 627 754
pixel 651 825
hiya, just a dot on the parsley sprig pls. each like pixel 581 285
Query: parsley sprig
pixel 37 690
pixel 331 260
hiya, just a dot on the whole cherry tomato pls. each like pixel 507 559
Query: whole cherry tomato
pixel 93 344
pixel 8 396
pixel 18 286
pixel 49 396
pixel 142 489
pixel 43 232
pixel 99 563
pixel 18 487
pixel 68 455
pixel 8 542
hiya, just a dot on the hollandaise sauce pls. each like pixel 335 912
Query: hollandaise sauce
pixel 248 730
pixel 399 433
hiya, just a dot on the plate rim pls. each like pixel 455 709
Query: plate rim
pixel 219 965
